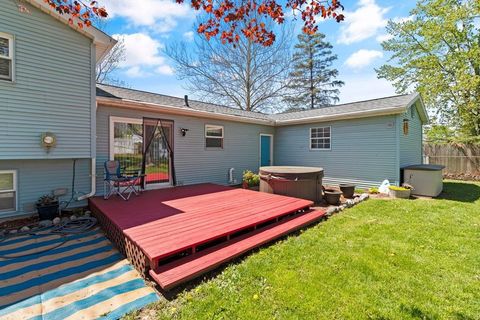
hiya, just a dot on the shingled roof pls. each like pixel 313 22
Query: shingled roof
pixel 125 94
pixel 382 106
pixel 388 105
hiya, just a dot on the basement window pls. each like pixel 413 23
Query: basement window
pixel 6 57
pixel 320 138
pixel 8 191
pixel 213 136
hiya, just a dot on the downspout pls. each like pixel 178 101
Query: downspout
pixel 93 173
pixel 93 126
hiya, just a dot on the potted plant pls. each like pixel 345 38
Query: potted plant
pixel 250 180
pixel 47 207
pixel 402 192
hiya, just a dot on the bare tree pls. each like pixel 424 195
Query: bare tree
pixel 248 76
pixel 107 67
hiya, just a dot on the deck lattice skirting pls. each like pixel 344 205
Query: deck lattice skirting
pixel 134 253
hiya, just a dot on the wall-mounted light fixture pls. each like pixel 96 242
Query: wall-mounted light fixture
pixel 405 126
pixel 184 131
pixel 48 140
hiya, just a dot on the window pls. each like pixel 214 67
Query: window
pixel 213 136
pixel 6 57
pixel 320 138
pixel 8 191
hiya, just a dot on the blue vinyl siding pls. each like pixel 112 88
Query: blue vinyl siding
pixel 52 90
pixel 411 151
pixel 38 177
pixel 193 162
pixel 362 151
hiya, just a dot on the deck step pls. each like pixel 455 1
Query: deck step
pixel 190 267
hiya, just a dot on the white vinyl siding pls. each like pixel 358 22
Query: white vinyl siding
pixel 8 191
pixel 320 138
pixel 213 136
pixel 6 57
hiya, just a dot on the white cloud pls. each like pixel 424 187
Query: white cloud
pixel 136 72
pixel 166 70
pixel 143 56
pixel 363 23
pixel 403 19
pixel 363 87
pixel 362 58
pixel 188 35
pixel 159 15
pixel 384 37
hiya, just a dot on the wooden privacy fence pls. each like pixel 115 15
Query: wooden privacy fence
pixel 457 159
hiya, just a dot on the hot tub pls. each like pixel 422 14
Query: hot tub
pixel 298 182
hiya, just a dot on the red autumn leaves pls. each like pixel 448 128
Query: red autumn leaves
pixel 229 19
pixel 79 10
pixel 225 18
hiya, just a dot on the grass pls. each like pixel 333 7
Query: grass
pixel 383 259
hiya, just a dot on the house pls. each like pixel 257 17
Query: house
pixel 47 103
pixel 55 125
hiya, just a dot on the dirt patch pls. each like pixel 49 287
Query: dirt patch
pixel 17 223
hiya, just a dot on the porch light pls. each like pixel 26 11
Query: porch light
pixel 48 140
pixel 184 131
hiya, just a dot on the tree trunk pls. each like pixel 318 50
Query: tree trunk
pixel 248 77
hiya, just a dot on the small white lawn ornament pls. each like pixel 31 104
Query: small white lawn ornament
pixel 384 187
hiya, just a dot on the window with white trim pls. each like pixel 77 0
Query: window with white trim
pixel 320 138
pixel 213 136
pixel 8 190
pixel 6 57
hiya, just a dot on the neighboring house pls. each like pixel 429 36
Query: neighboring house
pixel 47 84
pixel 47 89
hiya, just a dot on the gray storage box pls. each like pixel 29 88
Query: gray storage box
pixel 426 179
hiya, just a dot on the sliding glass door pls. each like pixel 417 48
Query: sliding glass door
pixel 127 146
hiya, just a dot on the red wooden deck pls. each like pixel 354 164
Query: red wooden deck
pixel 186 231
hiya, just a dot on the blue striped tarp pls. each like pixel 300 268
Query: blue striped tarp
pixel 83 278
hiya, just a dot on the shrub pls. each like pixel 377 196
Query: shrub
pixel 250 178
pixel 373 191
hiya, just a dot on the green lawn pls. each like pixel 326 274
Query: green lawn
pixel 383 259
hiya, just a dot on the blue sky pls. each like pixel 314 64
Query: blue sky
pixel 149 25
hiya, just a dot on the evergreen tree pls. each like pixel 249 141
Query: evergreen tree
pixel 313 81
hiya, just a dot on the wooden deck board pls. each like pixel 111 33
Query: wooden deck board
pixel 190 267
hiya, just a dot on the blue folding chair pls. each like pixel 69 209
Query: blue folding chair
pixel 118 182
